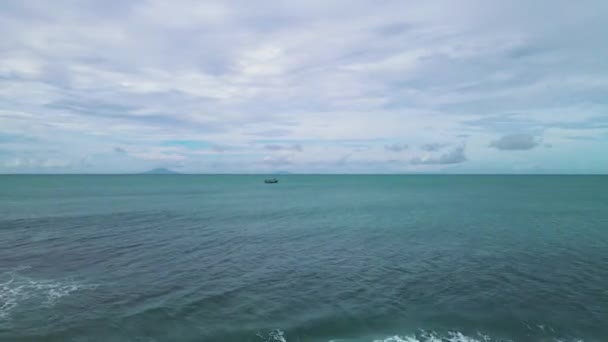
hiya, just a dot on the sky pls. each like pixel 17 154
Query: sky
pixel 239 86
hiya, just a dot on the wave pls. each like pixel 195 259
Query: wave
pixel 277 335
pixel 17 289
pixel 435 337
pixel 460 337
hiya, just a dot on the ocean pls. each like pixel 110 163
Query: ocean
pixel 313 258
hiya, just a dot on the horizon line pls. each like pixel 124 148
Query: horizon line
pixel 305 174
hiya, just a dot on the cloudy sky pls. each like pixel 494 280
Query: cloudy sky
pixel 304 86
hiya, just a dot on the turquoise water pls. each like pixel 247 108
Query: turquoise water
pixel 313 258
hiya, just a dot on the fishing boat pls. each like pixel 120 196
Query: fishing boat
pixel 271 181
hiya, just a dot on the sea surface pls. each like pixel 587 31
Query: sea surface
pixel 312 258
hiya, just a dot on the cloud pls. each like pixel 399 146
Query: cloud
pixel 278 160
pixel 396 147
pixel 188 144
pixel 344 159
pixel 432 147
pixel 455 156
pixel 93 76
pixel 277 147
pixel 515 142
pixel 271 133
pixel 34 163
pixel 220 148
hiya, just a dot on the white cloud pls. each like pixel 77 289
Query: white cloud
pixel 33 163
pixel 82 78
pixel 281 160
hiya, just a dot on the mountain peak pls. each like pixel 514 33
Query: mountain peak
pixel 161 171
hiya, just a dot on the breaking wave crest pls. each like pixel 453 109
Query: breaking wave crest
pixel 460 337
pixel 422 336
pixel 17 289
pixel 275 335
pixel 435 337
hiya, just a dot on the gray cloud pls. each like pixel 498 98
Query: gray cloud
pixel 515 142
pixel 92 107
pixel 432 147
pixel 120 150
pixel 278 147
pixel 396 147
pixel 344 159
pixel 455 156
pixel 84 106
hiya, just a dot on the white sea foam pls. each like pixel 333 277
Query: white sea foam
pixel 16 289
pixel 421 336
pixel 434 337
pixel 273 336
pixel 454 336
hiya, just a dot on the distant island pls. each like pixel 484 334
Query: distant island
pixel 161 171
